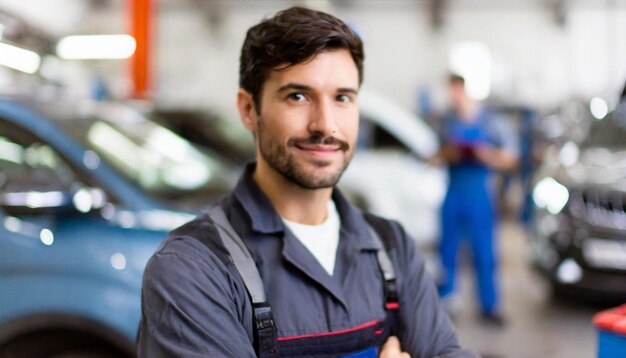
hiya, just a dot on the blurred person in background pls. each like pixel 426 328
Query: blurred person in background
pixel 285 266
pixel 475 143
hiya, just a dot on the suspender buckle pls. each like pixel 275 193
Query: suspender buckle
pixel 263 318
pixel 265 330
pixel 391 291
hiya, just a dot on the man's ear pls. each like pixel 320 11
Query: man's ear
pixel 247 110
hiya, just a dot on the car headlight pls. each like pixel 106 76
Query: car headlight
pixel 551 195
pixel 568 155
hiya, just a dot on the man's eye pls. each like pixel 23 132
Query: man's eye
pixel 296 96
pixel 343 98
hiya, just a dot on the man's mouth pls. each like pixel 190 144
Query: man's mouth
pixel 317 144
pixel 319 151
pixel 318 148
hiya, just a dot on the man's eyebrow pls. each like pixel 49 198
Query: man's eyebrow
pixel 295 86
pixel 301 87
pixel 347 90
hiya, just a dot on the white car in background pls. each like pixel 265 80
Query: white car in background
pixel 389 175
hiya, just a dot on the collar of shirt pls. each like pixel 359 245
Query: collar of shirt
pixel 266 220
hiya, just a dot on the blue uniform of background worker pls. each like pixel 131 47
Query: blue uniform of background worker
pixel 475 143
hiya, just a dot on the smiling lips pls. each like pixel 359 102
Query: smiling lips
pixel 319 150
pixel 319 146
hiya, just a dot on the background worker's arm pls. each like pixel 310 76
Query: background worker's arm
pixel 500 159
pixel 504 154
pixel 191 306
pixel 447 154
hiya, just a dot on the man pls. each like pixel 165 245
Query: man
pixel 475 143
pixel 326 289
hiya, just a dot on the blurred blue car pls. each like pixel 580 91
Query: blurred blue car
pixel 87 193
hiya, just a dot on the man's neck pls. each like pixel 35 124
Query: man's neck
pixel 468 110
pixel 292 202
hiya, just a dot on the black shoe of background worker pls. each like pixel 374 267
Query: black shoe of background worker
pixel 493 319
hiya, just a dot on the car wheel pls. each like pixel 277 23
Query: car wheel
pixel 60 343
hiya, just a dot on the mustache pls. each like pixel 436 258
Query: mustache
pixel 318 139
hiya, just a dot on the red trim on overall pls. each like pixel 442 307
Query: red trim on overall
pixel 348 330
pixel 393 305
pixel 380 331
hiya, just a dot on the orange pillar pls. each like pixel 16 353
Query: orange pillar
pixel 141 15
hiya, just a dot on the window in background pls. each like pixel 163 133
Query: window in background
pixel 472 60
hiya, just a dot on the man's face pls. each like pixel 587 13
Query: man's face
pixel 308 122
pixel 457 93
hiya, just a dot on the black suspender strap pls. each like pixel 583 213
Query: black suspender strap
pixel 264 328
pixel 383 258
pixel 391 291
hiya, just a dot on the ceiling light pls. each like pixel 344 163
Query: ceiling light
pixel 95 47
pixel 19 58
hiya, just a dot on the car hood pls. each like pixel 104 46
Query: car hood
pixel 598 166
pixel 155 219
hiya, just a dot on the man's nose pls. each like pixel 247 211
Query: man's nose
pixel 323 118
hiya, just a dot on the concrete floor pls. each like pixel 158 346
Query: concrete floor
pixel 537 325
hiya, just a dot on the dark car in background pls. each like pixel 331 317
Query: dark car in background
pixel 87 193
pixel 211 130
pixel 578 238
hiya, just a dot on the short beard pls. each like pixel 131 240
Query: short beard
pixel 279 158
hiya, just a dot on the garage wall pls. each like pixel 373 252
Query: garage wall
pixel 536 61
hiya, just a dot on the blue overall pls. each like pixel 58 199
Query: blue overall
pixel 468 209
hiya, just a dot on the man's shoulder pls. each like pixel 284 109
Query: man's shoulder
pixel 390 231
pixel 197 240
pixel 502 130
pixel 400 247
pixel 393 235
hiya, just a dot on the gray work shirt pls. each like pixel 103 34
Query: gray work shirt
pixel 194 303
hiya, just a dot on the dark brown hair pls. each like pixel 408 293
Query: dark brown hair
pixel 454 78
pixel 291 37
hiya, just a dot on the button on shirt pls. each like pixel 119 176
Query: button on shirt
pixel 194 303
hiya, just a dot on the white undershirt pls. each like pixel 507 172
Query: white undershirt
pixel 321 240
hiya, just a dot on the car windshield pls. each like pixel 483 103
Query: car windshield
pixel 609 132
pixel 160 162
